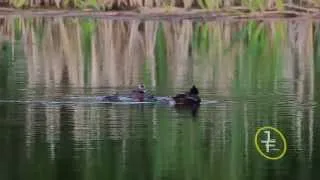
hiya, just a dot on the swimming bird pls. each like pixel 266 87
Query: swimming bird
pixel 141 94
pixel 188 98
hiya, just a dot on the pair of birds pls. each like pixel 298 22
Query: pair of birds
pixel 188 98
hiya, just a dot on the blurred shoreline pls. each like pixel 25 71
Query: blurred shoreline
pixel 165 13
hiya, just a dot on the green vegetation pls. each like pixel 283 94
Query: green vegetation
pixel 246 5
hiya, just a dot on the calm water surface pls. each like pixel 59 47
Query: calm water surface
pixel 262 73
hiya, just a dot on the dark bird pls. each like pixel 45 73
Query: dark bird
pixel 189 99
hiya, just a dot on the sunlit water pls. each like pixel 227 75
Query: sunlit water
pixel 250 74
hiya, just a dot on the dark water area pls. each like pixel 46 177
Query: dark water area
pixel 249 74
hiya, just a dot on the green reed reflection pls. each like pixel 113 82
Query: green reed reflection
pixel 161 57
pixel 260 64
pixel 261 47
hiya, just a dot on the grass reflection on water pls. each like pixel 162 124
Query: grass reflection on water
pixel 264 73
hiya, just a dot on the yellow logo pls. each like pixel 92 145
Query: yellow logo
pixel 273 142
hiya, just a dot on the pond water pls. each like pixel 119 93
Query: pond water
pixel 260 73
